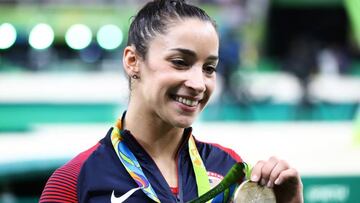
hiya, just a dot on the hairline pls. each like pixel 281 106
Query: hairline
pixel 171 22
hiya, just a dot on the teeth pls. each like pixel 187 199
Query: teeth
pixel 185 101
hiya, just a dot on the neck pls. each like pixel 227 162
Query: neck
pixel 157 138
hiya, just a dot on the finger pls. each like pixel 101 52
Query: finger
pixel 288 186
pixel 280 166
pixel 267 169
pixel 256 171
pixel 289 174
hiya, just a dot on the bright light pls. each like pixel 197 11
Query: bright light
pixel 78 36
pixel 109 37
pixel 7 35
pixel 41 36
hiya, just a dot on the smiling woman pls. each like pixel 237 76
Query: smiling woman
pixel 176 76
pixel 150 154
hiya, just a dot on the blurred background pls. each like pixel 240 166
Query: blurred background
pixel 288 85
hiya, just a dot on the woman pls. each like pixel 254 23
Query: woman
pixel 150 154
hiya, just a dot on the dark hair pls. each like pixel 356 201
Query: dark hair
pixel 154 18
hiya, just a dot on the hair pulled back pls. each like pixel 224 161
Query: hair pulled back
pixel 155 17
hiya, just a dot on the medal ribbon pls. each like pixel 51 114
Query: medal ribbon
pixel 202 179
pixel 130 163
pixel 134 169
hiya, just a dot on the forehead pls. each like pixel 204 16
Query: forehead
pixel 188 33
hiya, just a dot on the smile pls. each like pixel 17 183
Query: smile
pixel 187 102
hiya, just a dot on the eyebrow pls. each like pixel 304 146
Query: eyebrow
pixel 193 54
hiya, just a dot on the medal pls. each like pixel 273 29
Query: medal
pixel 252 192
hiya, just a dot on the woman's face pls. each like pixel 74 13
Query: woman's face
pixel 178 75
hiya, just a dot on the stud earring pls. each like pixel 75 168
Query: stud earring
pixel 135 77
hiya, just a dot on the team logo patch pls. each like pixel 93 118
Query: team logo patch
pixel 214 178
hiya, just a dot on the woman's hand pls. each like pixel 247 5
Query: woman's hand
pixel 279 175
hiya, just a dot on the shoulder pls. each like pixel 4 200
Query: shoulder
pixel 61 186
pixel 215 149
pixel 218 160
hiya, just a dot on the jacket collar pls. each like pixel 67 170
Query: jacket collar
pixel 138 150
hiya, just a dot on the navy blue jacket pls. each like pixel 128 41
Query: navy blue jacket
pixel 93 175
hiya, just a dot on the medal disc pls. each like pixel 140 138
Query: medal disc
pixel 252 192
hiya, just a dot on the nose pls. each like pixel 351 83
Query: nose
pixel 196 80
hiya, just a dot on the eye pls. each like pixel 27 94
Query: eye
pixel 209 69
pixel 179 62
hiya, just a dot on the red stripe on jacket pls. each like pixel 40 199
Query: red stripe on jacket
pixel 61 186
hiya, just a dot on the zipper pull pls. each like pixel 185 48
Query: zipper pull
pixel 178 199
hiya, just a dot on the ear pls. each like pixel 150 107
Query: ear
pixel 131 61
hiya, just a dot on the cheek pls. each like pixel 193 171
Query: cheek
pixel 160 83
pixel 211 85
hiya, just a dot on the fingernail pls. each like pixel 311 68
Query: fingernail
pixel 277 181
pixel 254 178
pixel 263 182
pixel 269 184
